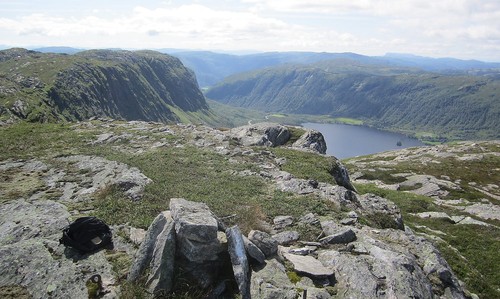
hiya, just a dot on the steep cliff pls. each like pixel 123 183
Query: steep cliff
pixel 141 85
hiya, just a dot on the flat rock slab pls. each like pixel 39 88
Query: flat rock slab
pixel 193 220
pixel 307 265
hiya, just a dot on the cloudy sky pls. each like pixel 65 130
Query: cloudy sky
pixel 468 29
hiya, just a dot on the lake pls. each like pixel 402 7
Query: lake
pixel 346 141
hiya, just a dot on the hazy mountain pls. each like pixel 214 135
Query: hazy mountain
pixel 211 68
pixel 455 106
pixel 142 85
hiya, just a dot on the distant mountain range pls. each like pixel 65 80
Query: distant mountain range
pixel 142 85
pixel 212 67
pixel 451 106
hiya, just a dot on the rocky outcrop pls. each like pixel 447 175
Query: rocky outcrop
pixel 340 174
pixel 261 134
pixel 311 140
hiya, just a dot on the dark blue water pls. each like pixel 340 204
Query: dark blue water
pixel 346 141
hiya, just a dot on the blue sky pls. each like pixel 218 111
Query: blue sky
pixel 468 29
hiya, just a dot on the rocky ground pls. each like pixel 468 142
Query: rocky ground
pixel 42 192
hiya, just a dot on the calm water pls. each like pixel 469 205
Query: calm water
pixel 345 141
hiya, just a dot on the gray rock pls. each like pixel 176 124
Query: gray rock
pixel 306 265
pixel 261 134
pixel 21 220
pixel 311 140
pixel 383 273
pixel 264 242
pixel 336 234
pixel 241 269
pixel 302 251
pixel 340 174
pixel 48 270
pixel 193 220
pixel 103 173
pixel 309 219
pixel 253 251
pixel 199 245
pixel 286 237
pixel 271 282
pixel 280 222
pixel 161 268
pixel 348 221
pixel 144 255
pixel 377 206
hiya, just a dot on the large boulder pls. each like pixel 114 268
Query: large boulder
pixel 261 134
pixel 311 140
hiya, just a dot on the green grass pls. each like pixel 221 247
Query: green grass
pixel 305 165
pixel 348 121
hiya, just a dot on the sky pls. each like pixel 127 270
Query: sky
pixel 465 29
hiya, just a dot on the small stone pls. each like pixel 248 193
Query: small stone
pixel 281 222
pixel 341 237
pixel 264 242
pixel 286 237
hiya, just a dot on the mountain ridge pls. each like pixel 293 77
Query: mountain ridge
pixel 141 85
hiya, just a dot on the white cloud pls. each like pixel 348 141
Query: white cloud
pixel 435 28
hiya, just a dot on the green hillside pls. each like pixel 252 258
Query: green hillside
pixel 403 99
pixel 142 85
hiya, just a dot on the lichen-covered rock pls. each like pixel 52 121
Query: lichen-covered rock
pixel 22 220
pixel 270 281
pixel 305 264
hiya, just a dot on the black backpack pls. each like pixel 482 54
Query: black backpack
pixel 87 234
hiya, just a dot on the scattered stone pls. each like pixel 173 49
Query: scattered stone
pixel 309 219
pixel 303 251
pixel 468 220
pixel 348 221
pixel 286 237
pixel 264 242
pixel 280 222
